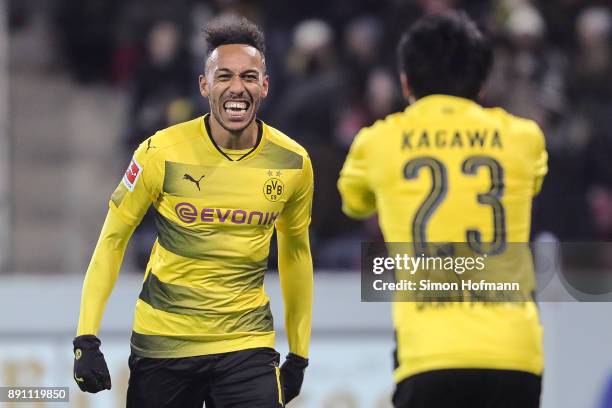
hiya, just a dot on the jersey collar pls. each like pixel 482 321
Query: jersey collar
pixel 211 142
pixel 441 101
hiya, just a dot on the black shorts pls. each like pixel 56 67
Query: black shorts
pixel 469 388
pixel 246 378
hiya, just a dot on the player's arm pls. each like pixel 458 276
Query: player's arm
pixel 295 271
pixel 90 370
pixel 358 200
pixel 102 272
pixel 541 162
pixel 128 205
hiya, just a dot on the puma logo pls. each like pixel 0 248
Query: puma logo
pixel 149 146
pixel 196 182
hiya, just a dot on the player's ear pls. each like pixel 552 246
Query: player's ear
pixel 405 87
pixel 265 85
pixel 203 85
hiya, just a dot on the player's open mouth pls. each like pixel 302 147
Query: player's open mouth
pixel 236 110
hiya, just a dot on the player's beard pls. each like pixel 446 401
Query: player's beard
pixel 216 111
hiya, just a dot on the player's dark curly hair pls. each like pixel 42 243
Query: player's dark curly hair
pixel 445 54
pixel 232 29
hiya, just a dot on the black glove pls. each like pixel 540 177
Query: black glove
pixel 292 375
pixel 90 370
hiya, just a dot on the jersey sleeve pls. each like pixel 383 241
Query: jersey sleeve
pixel 296 281
pixel 140 186
pixel 358 200
pixel 541 160
pixel 102 272
pixel 295 217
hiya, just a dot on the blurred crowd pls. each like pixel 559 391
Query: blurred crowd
pixel 332 71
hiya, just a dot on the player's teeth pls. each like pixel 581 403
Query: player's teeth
pixel 235 105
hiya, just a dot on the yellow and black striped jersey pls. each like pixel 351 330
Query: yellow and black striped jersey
pixel 449 170
pixel 215 212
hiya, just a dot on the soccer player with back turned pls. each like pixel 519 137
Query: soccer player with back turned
pixel 448 170
pixel 220 185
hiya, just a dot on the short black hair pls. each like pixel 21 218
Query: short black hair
pixel 232 29
pixel 445 54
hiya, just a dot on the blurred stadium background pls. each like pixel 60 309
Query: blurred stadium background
pixel 83 82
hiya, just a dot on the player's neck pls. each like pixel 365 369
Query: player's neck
pixel 226 139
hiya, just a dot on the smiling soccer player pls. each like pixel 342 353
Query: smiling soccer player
pixel 220 185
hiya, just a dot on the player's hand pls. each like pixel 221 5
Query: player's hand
pixel 90 370
pixel 292 375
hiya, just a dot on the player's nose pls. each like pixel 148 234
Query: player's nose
pixel 236 86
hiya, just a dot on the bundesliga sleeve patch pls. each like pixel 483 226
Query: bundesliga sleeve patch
pixel 131 174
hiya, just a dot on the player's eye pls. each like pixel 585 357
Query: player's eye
pixel 224 77
pixel 250 77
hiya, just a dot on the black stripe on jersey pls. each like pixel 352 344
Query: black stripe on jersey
pixel 183 300
pixel 259 136
pixel 157 346
pixel 119 194
pixel 198 243
pixel 274 156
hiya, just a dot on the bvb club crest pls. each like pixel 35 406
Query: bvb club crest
pixel 273 189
